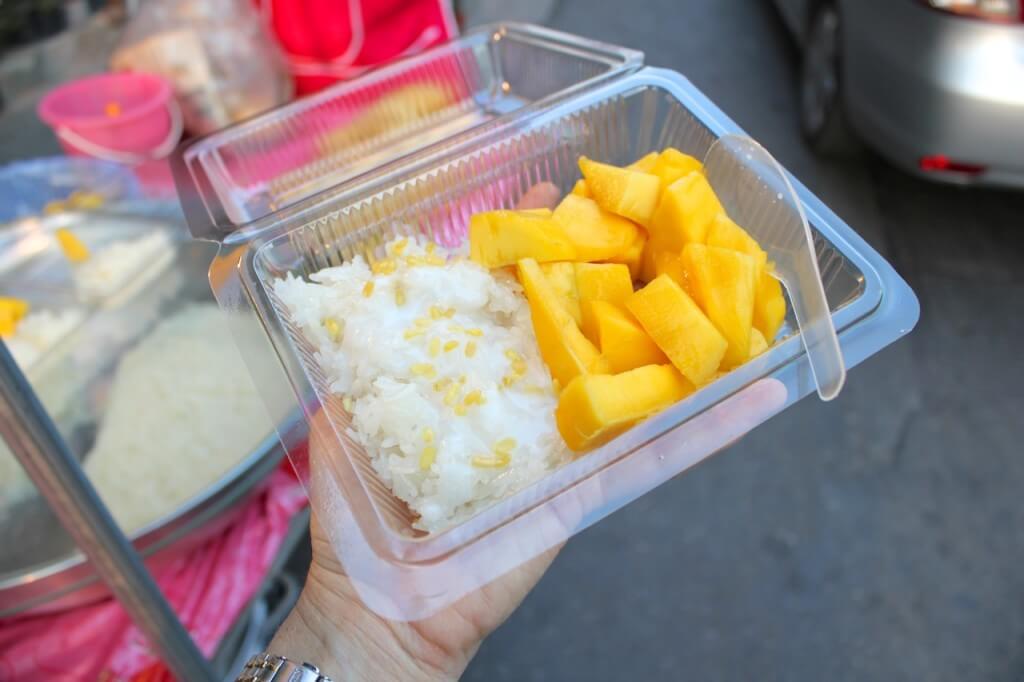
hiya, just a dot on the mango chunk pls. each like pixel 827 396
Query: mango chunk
pixel 595 233
pixel 16 308
pixel 633 256
pixel 672 164
pixel 593 409
pixel 603 282
pixel 589 325
pixel 628 193
pixel 726 234
pixel 726 280
pixel 562 278
pixel 11 312
pixel 680 328
pixel 500 238
pixel 74 250
pixel 758 344
pixel 580 189
pixel 646 163
pixel 565 350
pixel 623 342
pixel 769 305
pixel 671 264
pixel 8 325
pixel 684 215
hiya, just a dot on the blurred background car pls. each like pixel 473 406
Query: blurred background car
pixel 935 86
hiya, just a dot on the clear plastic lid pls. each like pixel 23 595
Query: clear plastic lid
pixel 271 162
pixel 403 573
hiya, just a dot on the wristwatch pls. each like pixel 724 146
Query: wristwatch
pixel 270 668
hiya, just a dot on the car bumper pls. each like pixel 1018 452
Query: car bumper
pixel 954 88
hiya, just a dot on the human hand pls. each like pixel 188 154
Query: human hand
pixel 332 628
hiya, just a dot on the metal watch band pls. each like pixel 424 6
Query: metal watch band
pixel 270 668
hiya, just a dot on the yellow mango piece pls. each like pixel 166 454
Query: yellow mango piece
pixel 603 282
pixel 757 343
pixel 671 264
pixel 633 256
pixel 73 248
pixel 645 164
pixel 687 208
pixel 672 164
pixel 85 201
pixel 7 324
pixel 11 312
pixel 593 409
pixel 769 306
pixel 595 233
pixel 499 238
pixel 580 189
pixel 562 278
pixel 680 328
pixel 623 342
pixel 589 325
pixel 649 260
pixel 628 193
pixel 15 308
pixel 769 303
pixel 565 350
pixel 726 281
pixel 726 234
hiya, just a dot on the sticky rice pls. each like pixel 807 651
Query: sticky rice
pixel 435 359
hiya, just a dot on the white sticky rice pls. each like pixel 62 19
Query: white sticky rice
pixel 182 411
pixel 121 267
pixel 414 405
pixel 40 331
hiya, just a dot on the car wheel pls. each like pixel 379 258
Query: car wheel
pixel 822 118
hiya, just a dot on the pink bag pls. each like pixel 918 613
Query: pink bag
pixel 330 40
pixel 208 588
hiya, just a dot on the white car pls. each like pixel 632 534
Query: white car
pixel 936 86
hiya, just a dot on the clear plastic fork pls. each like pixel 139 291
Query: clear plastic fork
pixel 757 195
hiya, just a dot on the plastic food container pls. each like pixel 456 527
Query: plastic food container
pixel 73 380
pixel 277 160
pixel 399 572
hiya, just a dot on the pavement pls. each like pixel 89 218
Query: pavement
pixel 877 537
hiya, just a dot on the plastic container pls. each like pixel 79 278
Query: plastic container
pixel 27 187
pixel 403 574
pixel 73 380
pixel 128 118
pixel 223 64
pixel 278 160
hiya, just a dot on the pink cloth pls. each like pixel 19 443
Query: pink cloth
pixel 208 588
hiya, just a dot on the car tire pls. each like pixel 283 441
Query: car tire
pixel 822 117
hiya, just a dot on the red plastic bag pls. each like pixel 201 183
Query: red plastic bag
pixel 330 40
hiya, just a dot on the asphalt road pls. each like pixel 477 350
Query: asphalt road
pixel 878 537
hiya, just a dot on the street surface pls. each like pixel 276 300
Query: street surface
pixel 878 537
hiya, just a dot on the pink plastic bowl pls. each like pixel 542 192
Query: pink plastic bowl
pixel 79 113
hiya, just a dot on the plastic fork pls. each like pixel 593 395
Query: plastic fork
pixel 757 195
